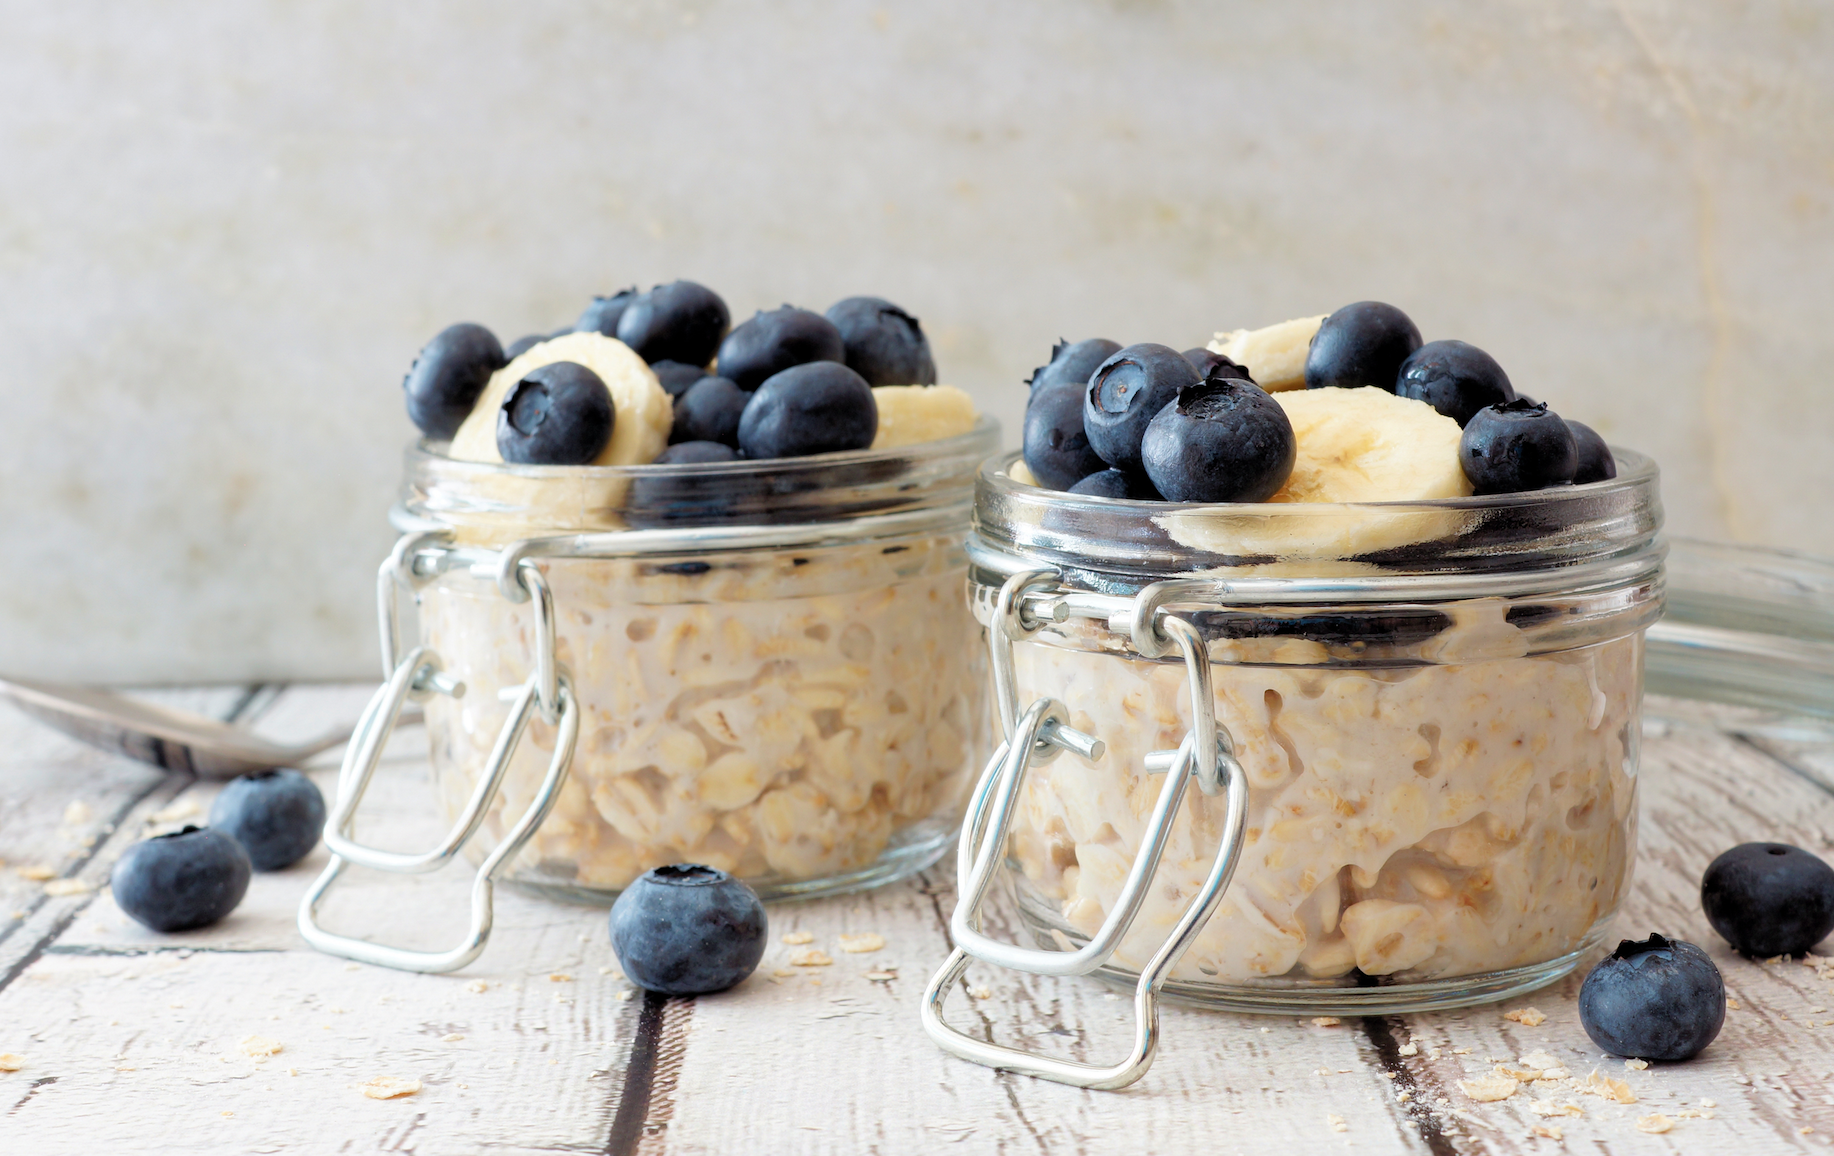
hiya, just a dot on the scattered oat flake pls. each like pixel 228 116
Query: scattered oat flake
pixel 1527 1016
pixel 1461 1051
pixel 981 992
pixel 59 887
pixel 1549 1108
pixel 1804 1130
pixel 810 957
pixel 862 943
pixel 783 973
pixel 11 1061
pixel 1410 1049
pixel 1540 1060
pixel 173 812
pixel 623 995
pixel 1636 1065
pixel 76 813
pixel 1325 1021
pixel 798 938
pixel 1546 1131
pixel 390 1088
pixel 1337 1123
pixel 1706 1103
pixel 478 986
pixel 560 977
pixel 1488 1089
pixel 37 873
pixel 260 1047
pixel 226 1113
pixel 1610 1089
pixel 1733 1004
pixel 1657 1123
pixel 451 1038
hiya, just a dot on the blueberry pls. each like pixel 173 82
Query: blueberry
pixel 696 453
pixel 677 376
pixel 1517 446
pixel 1210 364
pixel 1653 999
pixel 709 412
pixel 1056 447
pixel 1454 378
pixel 1222 440
pixel 772 342
pixel 1769 898
pixel 885 345
pixel 1074 364
pixel 680 321
pixel 446 379
pixel 1360 344
pixel 1595 461
pixel 816 408
pixel 687 930
pixel 187 879
pixel 522 345
pixel 277 816
pixel 559 415
pixel 603 315
pixel 1117 484
pixel 1126 393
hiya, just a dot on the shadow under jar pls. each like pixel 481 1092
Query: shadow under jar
pixel 775 669
pixel 1435 706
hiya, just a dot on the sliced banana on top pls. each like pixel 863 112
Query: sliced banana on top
pixel 1274 356
pixel 1354 446
pixel 644 413
pixel 909 414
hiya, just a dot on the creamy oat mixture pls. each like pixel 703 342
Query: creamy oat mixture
pixel 781 714
pixel 1428 821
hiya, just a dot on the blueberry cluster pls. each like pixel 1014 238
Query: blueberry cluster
pixel 787 383
pixel 1150 424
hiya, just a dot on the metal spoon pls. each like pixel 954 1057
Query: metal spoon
pixel 177 740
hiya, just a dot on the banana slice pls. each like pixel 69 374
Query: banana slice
pixel 1274 356
pixel 1354 446
pixel 644 413
pixel 909 414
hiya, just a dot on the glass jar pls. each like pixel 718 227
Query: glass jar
pixel 1434 706
pixel 775 670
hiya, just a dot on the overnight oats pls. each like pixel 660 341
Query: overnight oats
pixel 1420 599
pixel 751 541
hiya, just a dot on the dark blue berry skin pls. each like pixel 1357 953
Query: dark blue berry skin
pixel 1210 364
pixel 522 345
pixel 817 408
pixel 772 342
pixel 1118 484
pixel 677 377
pixel 687 930
pixel 1074 364
pixel 446 379
pixel 1653 999
pixel 277 816
pixel 1056 446
pixel 885 345
pixel 696 454
pixel 1454 378
pixel 1361 344
pixel 1126 393
pixel 1769 899
pixel 187 879
pixel 1516 446
pixel 603 315
pixel 1222 440
pixel 559 415
pixel 680 321
pixel 709 412
pixel 1595 461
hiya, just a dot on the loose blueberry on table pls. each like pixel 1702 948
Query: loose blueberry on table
pixel 688 930
pixel 1653 999
pixel 1769 899
pixel 276 815
pixel 559 415
pixel 187 879
pixel 883 344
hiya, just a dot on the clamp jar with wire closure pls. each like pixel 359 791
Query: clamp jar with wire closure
pixel 1433 706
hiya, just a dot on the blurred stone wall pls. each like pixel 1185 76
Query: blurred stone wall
pixel 225 230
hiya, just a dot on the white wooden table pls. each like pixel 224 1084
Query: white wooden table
pixel 136 1042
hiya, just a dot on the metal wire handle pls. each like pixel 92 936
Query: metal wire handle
pixel 548 691
pixel 1036 736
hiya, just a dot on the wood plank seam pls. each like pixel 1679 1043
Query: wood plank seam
pixel 1381 1032
pixel 639 1076
pixel 671 1052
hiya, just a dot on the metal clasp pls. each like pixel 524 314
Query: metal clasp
pixel 548 691
pixel 1038 735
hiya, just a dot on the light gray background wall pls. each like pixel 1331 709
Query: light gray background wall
pixel 226 228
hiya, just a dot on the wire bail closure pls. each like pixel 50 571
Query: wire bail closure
pixel 417 559
pixel 1027 602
